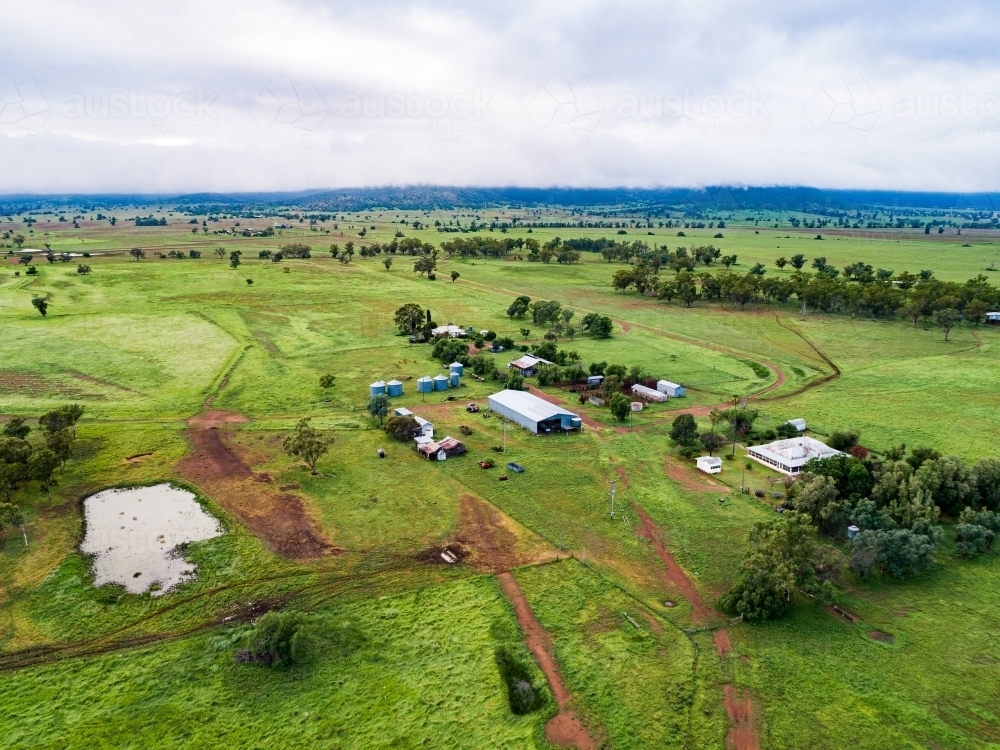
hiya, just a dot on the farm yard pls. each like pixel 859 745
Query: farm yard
pixel 603 629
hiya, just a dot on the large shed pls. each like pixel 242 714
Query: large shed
pixel 673 390
pixel 789 456
pixel 533 413
pixel 650 394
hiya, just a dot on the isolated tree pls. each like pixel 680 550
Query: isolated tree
pixel 620 406
pixel 307 443
pixel 387 262
pixel 334 250
pixel 519 307
pixel 16 427
pixel 220 252
pixel 41 305
pixel 18 240
pixel 715 416
pixel 946 320
pixel 234 258
pixel 378 406
pixel 326 381
pixel 63 418
pixel 741 421
pixel 138 253
pixel 798 261
pixel 42 467
pixel 712 441
pixel 454 276
pixel 409 317
pixel 781 262
pixel 684 430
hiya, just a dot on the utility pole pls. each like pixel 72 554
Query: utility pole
pixel 504 423
pixel 614 491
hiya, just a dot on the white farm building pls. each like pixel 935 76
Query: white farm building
pixel 673 390
pixel 709 464
pixel 789 456
pixel 533 413
pixel 650 394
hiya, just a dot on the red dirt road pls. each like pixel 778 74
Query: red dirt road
pixel 742 734
pixel 278 518
pixel 565 728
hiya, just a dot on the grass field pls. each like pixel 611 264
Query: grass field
pixel 406 656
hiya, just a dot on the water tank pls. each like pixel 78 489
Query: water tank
pixel 425 384
pixel 576 423
pixel 457 367
pixel 440 383
pixel 395 388
pixel 453 379
pixel 376 388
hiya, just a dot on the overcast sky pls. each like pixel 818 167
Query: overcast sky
pixel 165 97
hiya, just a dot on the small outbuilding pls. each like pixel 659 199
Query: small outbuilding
pixel 594 380
pixel 709 464
pixel 648 393
pixel 429 449
pixel 528 364
pixel 671 389
pixel 636 405
pixel 452 447
pixel 376 388
pixel 993 318
pixel 799 424
pixel 394 388
pixel 425 428
pixel 401 411
pixel 534 414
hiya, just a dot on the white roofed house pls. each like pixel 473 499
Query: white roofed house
pixel 789 456
pixel 527 364
pixel 534 414
pixel 452 331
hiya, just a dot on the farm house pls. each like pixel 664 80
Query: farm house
pixel 650 394
pixel 451 331
pixel 708 464
pixel 671 389
pixel 527 365
pixel 789 456
pixel 533 413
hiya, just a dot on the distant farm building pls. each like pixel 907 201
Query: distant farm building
pixel 439 451
pixel 451 331
pixel 594 380
pixel 452 446
pixel 993 318
pixel 527 365
pixel 789 456
pixel 798 424
pixel 533 413
pixel 671 389
pixel 650 394
pixel 709 464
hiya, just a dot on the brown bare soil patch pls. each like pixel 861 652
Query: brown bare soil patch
pixel 674 575
pixel 742 734
pixel 33 384
pixel 842 614
pixel 484 532
pixel 722 643
pixel 99 381
pixel 654 624
pixel 565 728
pixel 688 479
pixel 278 518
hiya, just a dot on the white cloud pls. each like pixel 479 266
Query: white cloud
pixel 272 95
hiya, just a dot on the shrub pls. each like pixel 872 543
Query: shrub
pixel 401 428
pixel 521 693
pixel 281 639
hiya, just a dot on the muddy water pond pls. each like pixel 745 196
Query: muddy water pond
pixel 133 535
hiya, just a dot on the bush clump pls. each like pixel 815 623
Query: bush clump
pixel 521 693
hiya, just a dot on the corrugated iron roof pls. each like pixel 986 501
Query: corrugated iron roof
pixel 529 405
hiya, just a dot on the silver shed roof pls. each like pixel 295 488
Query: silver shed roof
pixel 529 405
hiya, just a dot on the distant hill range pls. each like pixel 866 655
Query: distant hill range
pixel 426 197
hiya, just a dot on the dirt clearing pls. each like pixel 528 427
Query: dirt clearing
pixel 742 734
pixel 565 728
pixel 278 518
pixel 689 479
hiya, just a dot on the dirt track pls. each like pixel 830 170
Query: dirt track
pixel 565 728
pixel 689 479
pixel 483 533
pixel 278 518
pixel 589 421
